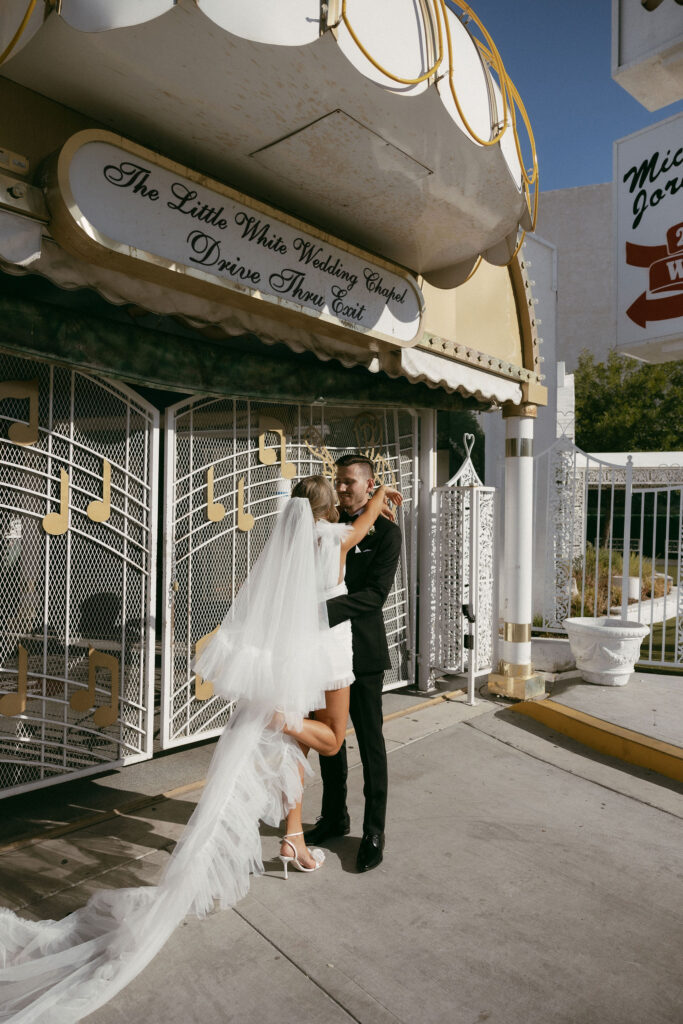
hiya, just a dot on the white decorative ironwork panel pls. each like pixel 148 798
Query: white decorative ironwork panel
pixel 463 570
pixel 77 535
pixel 574 515
pixel 230 466
pixel 486 620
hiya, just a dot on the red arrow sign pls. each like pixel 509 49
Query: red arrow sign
pixel 644 309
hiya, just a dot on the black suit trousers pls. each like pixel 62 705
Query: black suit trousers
pixel 366 715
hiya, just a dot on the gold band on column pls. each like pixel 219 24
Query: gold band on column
pixel 519 447
pixel 514 671
pixel 517 632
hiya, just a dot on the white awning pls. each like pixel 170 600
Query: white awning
pixel 437 371
pixel 19 239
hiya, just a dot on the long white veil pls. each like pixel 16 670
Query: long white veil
pixel 268 655
pixel 268 648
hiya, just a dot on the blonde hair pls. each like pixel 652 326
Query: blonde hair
pixel 321 496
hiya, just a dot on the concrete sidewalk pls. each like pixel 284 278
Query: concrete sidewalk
pixel 526 881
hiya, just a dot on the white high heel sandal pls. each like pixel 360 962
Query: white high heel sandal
pixel 317 855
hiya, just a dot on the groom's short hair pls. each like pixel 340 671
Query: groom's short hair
pixel 357 460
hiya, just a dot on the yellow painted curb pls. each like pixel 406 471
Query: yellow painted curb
pixel 607 738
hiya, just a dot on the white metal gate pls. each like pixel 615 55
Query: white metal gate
pixel 655 572
pixel 78 462
pixel 463 572
pixel 573 552
pixel 606 545
pixel 229 467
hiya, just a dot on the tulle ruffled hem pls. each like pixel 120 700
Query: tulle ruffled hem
pixel 340 684
pixel 295 685
pixel 60 971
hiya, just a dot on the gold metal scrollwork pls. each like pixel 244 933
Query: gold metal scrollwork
pixel 367 427
pixel 384 474
pixel 317 447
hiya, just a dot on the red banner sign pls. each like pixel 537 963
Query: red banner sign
pixel 664 298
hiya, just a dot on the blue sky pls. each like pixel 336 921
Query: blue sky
pixel 558 55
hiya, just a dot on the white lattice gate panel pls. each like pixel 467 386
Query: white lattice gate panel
pixel 463 572
pixel 655 572
pixel 575 499
pixel 77 527
pixel 230 466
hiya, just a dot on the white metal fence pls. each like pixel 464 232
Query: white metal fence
pixel 229 466
pixel 606 545
pixel 77 536
pixel 655 578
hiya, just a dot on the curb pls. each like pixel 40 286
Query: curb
pixel 607 738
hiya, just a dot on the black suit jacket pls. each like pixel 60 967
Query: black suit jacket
pixel 370 574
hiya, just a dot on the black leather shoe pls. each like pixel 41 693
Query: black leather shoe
pixel 328 828
pixel 370 852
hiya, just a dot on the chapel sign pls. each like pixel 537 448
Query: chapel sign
pixel 649 237
pixel 128 208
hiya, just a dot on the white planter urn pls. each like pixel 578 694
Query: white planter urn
pixel 632 586
pixel 605 649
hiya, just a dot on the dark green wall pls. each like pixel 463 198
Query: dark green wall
pixel 80 329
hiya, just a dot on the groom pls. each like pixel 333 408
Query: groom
pixel 370 572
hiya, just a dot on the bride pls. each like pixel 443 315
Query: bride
pixel 325 730
pixel 274 654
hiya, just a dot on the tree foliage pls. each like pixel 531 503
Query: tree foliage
pixel 627 406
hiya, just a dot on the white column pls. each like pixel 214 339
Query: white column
pixel 426 524
pixel 515 676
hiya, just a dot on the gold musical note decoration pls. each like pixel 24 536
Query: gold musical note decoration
pixel 384 474
pixel 15 703
pixel 23 433
pixel 268 456
pixel 215 512
pixel 82 700
pixel 56 523
pixel 316 446
pixel 203 688
pixel 99 511
pixel 245 520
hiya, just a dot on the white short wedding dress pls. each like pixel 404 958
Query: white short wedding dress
pixel 275 655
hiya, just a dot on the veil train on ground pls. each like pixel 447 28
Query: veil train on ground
pixel 269 655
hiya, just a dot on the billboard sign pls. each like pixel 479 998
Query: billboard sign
pixel 649 238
